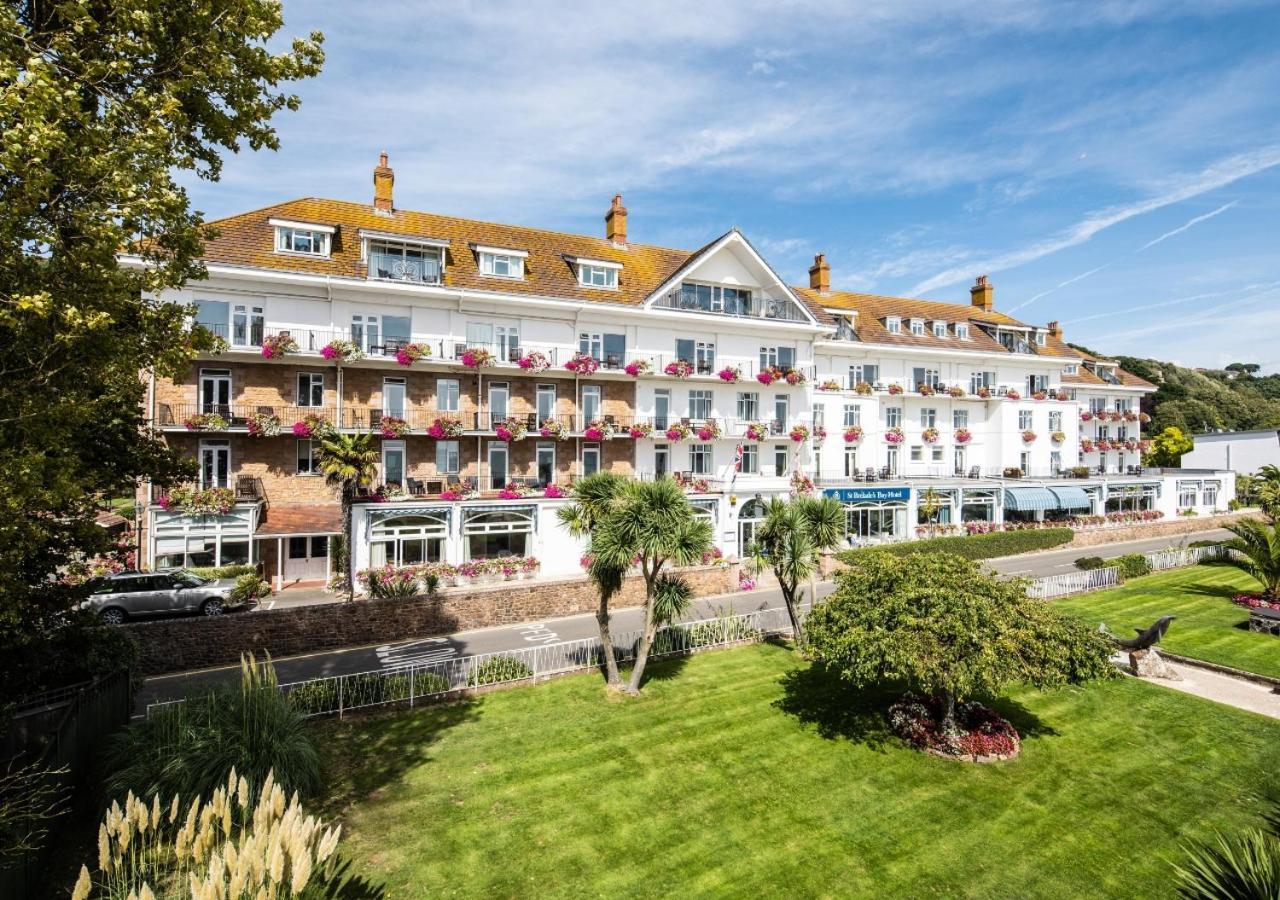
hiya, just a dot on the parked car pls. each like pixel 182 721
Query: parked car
pixel 127 595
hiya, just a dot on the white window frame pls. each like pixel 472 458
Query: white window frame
pixel 750 459
pixel 321 237
pixel 940 329
pixel 313 457
pixel 1026 420
pixel 893 325
pixel 450 452
pixel 959 418
pixel 962 331
pixel 598 274
pixel 593 450
pixel 917 327
pixel 512 261
pixel 390 447
pixel 893 417
pixel 929 417
pixel 303 398
pixel 448 395
pixel 698 454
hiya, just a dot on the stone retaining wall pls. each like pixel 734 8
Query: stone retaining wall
pixel 1171 528
pixel 176 645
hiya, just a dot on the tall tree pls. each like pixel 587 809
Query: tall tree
pixel 1256 547
pixel 792 539
pixel 349 462
pixel 1266 487
pixel 1168 446
pixel 102 107
pixel 594 498
pixel 651 526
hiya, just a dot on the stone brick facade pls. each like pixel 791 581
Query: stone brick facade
pixel 176 645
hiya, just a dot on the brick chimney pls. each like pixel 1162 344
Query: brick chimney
pixel 383 180
pixel 615 222
pixel 1055 329
pixel 983 294
pixel 820 274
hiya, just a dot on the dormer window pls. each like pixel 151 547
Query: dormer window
pixel 962 331
pixel 893 325
pixel 501 263
pixel 1041 338
pixel 595 273
pixel 302 238
pixel 917 327
pixel 940 329
pixel 1070 369
pixel 393 257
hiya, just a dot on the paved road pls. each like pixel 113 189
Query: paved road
pixel 491 640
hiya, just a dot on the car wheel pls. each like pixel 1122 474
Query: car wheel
pixel 211 607
pixel 112 615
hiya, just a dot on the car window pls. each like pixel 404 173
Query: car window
pixel 156 583
pixel 187 579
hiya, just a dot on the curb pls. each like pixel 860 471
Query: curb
pixel 1264 680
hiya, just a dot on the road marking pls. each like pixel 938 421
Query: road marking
pixel 538 633
pixel 395 656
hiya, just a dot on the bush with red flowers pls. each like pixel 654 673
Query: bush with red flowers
pixel 981 734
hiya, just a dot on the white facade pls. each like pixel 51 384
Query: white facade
pixel 1243 452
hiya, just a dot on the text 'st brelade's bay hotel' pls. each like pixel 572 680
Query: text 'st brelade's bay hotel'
pixel 495 364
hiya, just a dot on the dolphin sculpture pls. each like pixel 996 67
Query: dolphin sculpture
pixel 1146 639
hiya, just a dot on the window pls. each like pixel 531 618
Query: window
pixel 1041 338
pixel 980 380
pixel 748 406
pixel 591 344
pixel 782 357
pixel 393 397
pixel 311 389
pixel 699 405
pixel 490 534
pixel 865 373
pixel 545 461
pixel 715 298
pixel 780 460
pixel 1070 369
pixel 499 394
pixel 408 540
pixel 935 453
pixel 1055 421
pixel 247 326
pixel 850 462
pixel 893 417
pixel 962 330
pixel 447 393
pixel 661 409
pixel 1037 383
pixel 852 415
pixel 1210 497
pixel 1055 461
pixel 1097 405
pixel 214 316
pixel 928 418
pixel 1187 493
pixel 597 275
pixel 590 403
pixel 366 333
pixel 502 263
pixel 215 464
pixel 215 391
pixel 819 416
pixel 447 461
pixel 940 329
pixel 893 325
pixel 498 458
pixel 590 459
pixel 609 349
pixel 930 377
pixel 960 418
pixel 700 459
pixel 304 240
pixel 661 459
pixel 917 453
pixel 750 463
pixel 1024 419
pixel 308 457
pixel 546 402
pixel 393 462
pixel 1024 462
pixel 701 353
pixel 782 411
pixel 404 262
pixel 917 327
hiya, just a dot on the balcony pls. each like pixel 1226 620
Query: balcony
pixel 692 298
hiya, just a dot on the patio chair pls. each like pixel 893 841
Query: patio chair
pixel 416 487
pixel 885 474
pixel 870 474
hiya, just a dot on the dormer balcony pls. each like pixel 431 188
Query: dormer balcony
pixel 723 300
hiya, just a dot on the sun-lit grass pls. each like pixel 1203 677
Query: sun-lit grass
pixel 1209 626
pixel 744 773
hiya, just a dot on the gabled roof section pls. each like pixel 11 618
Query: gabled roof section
pixel 248 240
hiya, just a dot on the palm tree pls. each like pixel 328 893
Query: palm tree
pixel 594 497
pixel 348 462
pixel 793 538
pixel 1266 485
pixel 1257 551
pixel 651 524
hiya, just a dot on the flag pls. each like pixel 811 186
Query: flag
pixel 737 458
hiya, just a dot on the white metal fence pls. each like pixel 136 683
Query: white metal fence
pixel 1186 556
pixel 1073 583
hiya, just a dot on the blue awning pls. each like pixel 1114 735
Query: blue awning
pixel 1029 499
pixel 1071 498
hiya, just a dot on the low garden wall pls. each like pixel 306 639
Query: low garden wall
pixel 176 645
pixel 1164 528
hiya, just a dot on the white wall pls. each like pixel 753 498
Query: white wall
pixel 1243 453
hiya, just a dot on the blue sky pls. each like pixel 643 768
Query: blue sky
pixel 1115 166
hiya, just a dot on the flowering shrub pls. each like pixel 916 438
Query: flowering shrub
pixel 444 427
pixel 277 345
pixel 451 494
pixel 1086 446
pixel 746 582
pixel 1061 395
pixel 730 374
pixel 513 491
pixel 756 431
pixel 819 434
pixel 679 369
pixel 640 430
pixel 411 353
pixel 962 436
pixel 895 389
pixel 1039 395
pixel 1085 415
pixel 894 435
pixel 1130 415
pixel 392 427
pixel 477 358
pixel 263 425
pixel 799 434
pixel 697 485
pixel 768 375
pixel 930 435
pixel 1028 436
pixel 311 425
pixel 1102 446
pixel 830 385
pixel 853 433
pixel 955 391
pixel 509 430
pixel 982 731
pixel 1115 415
pixel 714 555
pixel 553 428
pixel 794 376
pixel 192 501
pixel 984 393
pixel 1012 394
pixel 585 561
pixel 677 431
pixel 924 389
pixel 554 492
pixel 638 367
pixel 1144 418
pixel 205 422
pixel 708 431
pixel 598 430
pixel 341 350
pixel 1058 437
pixel 1255 601
pixel 582 363
pixel 534 362
pixel 389 581
pixel 801 484
pixel 387 492
pixel 863 387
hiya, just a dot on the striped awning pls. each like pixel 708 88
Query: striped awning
pixel 1071 498
pixel 1029 499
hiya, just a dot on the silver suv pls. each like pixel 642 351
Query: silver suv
pixel 129 594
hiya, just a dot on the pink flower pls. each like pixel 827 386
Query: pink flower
pixel 553 492
pixel 301 429
pixel 593 434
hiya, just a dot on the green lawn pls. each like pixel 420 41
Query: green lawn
pixel 742 773
pixel 1209 626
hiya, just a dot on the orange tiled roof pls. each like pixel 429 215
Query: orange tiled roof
pixel 320 518
pixel 248 240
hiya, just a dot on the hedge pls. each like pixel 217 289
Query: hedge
pixel 216 572
pixel 975 546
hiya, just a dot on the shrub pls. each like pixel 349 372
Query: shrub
pixel 977 546
pixel 1244 864
pixel 224 571
pixel 1091 562
pixel 1132 565
pixel 187 748
pixel 499 669
pixel 1233 505
pixel 1079 471
pixel 250 587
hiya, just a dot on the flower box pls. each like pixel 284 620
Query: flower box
pixel 769 375
pixel 534 362
pixel 341 351
pixel 1012 395
pixel 509 431
pixel 1039 395
pixel 863 388
pixel 278 345
pixel 392 427
pixel 553 429
pixel 1028 436
pixel 638 367
pixel 708 431
pixel 830 385
pixel 263 425
pixel 925 390
pixel 640 430
pixel 444 428
pixel 730 374
pixel 894 435
pixel 799 434
pixel 597 431
pixel 1058 437
pixel 205 422
pixel 477 358
pixel 582 364
pixel 895 389
pixel 853 434
pixel 794 377
pixel 955 391
pixel 677 432
pixel 554 492
pixel 962 436
pixel 411 353
pixel 679 369
pixel 930 435
pixel 311 425
pixel 757 431
pixel 190 501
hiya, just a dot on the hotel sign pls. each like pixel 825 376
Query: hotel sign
pixel 869 494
